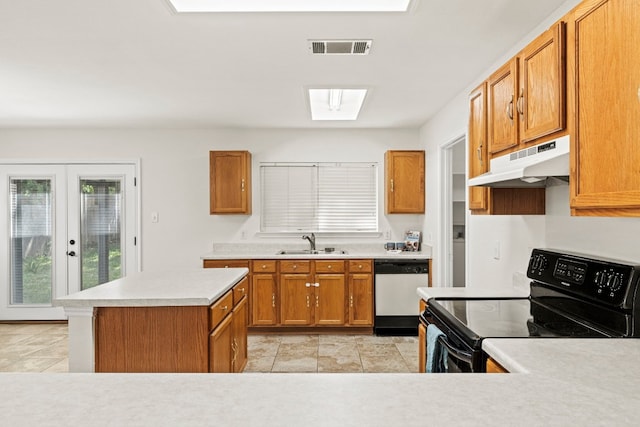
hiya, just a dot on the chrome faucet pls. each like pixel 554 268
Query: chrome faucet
pixel 311 239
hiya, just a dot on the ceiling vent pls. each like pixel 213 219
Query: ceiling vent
pixel 339 47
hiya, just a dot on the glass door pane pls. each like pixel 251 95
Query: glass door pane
pixel 31 241
pixel 100 216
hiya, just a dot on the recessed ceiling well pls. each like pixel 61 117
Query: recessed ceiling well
pixel 290 5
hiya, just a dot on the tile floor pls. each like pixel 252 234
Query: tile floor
pixel 43 348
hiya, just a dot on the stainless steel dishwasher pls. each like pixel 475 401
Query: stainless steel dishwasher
pixel 397 304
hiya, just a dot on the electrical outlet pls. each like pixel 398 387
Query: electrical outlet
pixel 243 235
pixel 387 234
pixel 155 217
pixel 496 250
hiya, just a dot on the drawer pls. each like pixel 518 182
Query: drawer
pixel 240 290
pixel 220 309
pixel 360 266
pixel 226 263
pixel 330 266
pixel 263 267
pixel 295 266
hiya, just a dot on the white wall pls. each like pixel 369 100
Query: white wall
pixel 174 178
pixel 516 235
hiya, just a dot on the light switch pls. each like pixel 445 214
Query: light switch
pixel 496 250
pixel 155 217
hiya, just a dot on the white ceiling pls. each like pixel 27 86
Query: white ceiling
pixel 136 63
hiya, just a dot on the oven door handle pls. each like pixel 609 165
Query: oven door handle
pixel 454 352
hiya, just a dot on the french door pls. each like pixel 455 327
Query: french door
pixel 65 228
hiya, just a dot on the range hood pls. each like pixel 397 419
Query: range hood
pixel 529 167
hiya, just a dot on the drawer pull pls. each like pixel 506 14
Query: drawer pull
pixel 360 266
pixel 294 266
pixel 224 308
pixel 264 266
pixel 241 290
pixel 329 266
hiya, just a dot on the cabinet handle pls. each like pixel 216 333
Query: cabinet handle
pixel 224 308
pixel 329 266
pixel 317 301
pixel 307 285
pixel 294 266
pixel 360 266
pixel 308 301
pixel 479 152
pixel 273 300
pixel 317 285
pixel 510 109
pixel 392 185
pixel 520 103
pixel 242 185
pixel 264 266
pixel 241 290
pixel 351 300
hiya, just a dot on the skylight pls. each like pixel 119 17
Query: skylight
pixel 336 104
pixel 290 5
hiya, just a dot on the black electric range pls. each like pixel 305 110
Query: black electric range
pixel 571 295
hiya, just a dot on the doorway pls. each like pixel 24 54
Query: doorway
pixel 67 227
pixel 453 212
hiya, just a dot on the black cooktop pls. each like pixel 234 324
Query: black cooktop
pixel 475 319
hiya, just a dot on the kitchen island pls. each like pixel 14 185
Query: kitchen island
pixel 559 382
pixel 150 322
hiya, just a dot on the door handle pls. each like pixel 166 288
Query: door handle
pixel 71 253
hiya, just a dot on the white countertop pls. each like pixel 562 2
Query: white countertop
pixel 512 292
pixel 200 286
pixel 269 251
pixel 567 382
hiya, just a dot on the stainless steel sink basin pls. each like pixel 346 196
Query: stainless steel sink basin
pixel 310 252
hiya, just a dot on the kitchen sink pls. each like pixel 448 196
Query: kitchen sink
pixel 310 252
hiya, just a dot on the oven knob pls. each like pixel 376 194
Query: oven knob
pixel 614 282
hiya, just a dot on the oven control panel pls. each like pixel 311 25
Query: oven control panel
pixel 609 282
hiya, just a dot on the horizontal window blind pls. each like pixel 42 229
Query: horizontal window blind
pixel 324 197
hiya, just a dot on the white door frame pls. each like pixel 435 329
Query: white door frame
pixel 133 263
pixel 445 221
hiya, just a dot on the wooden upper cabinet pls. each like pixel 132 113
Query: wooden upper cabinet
pixel 404 182
pixel 230 182
pixel 605 158
pixel 541 96
pixel 526 97
pixel 477 140
pixel 501 108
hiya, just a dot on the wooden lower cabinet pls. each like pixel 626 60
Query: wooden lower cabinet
pixel 195 339
pixel 494 367
pixel 240 320
pixel 220 347
pixel 307 292
pixel 422 348
pixel 361 299
pixel 295 299
pixel 329 295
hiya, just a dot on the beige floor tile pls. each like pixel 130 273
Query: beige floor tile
pixel 378 350
pixel 380 364
pixel 339 364
pixel 336 339
pixel 299 339
pixel 259 364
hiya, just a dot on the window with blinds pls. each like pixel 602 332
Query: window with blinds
pixel 322 197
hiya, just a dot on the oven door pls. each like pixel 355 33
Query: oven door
pixel 460 356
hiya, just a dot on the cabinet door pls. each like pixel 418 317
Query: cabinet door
pixel 330 299
pixel 361 299
pixel 477 139
pixel 220 347
pixel 230 182
pixel 240 320
pixel 296 294
pixel 404 182
pixel 541 98
pixel 263 299
pixel 422 348
pixel 502 122
pixel 605 158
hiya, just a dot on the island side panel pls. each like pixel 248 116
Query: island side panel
pixel 152 339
